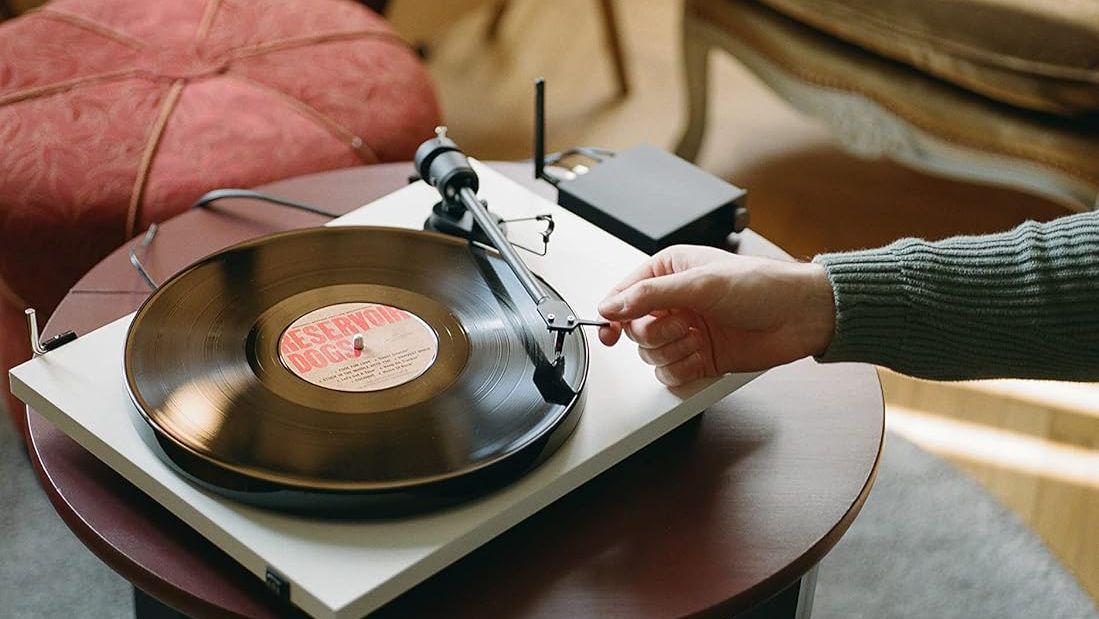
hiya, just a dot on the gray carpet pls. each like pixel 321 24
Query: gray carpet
pixel 45 571
pixel 929 543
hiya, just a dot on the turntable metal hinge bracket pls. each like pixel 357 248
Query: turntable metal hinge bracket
pixel 135 260
pixel 38 347
pixel 277 584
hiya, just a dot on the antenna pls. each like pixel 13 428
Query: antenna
pixel 539 127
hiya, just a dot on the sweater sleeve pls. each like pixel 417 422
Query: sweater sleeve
pixel 1023 304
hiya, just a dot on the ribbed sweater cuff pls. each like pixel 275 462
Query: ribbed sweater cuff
pixel 1022 303
pixel 871 312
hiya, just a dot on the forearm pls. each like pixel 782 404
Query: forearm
pixel 1024 303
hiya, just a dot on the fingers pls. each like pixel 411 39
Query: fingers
pixel 658 265
pixel 648 269
pixel 677 363
pixel 665 342
pixel 650 331
pixel 656 293
pixel 663 262
pixel 671 353
pixel 675 350
pixel 681 372
pixel 664 281
pixel 609 334
pixel 656 331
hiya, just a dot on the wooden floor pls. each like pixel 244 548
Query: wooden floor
pixel 1035 445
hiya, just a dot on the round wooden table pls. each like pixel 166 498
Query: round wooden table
pixel 725 513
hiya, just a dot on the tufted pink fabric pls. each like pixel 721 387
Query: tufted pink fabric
pixel 115 114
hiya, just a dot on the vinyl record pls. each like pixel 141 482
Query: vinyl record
pixel 362 370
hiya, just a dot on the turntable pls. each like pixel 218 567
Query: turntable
pixel 367 375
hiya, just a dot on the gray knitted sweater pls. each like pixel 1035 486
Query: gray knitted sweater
pixel 1023 303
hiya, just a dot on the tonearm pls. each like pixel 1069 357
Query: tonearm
pixel 441 164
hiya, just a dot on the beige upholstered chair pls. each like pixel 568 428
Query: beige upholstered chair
pixel 998 91
pixel 418 20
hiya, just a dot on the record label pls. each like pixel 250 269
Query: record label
pixel 324 347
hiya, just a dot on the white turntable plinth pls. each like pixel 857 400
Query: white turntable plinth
pixel 348 568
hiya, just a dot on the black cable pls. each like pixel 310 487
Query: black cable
pixel 591 152
pixel 210 197
pixel 594 153
pixel 552 177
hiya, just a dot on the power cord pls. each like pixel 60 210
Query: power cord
pixel 210 197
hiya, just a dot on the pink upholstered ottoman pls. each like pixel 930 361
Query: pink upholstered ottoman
pixel 115 114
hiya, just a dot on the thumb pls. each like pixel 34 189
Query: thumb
pixel 665 292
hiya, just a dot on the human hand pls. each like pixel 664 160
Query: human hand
pixel 699 312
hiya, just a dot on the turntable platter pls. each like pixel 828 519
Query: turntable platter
pixel 357 370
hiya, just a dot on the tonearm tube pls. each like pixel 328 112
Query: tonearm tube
pixel 441 164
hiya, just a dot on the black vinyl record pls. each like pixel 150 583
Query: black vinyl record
pixel 351 370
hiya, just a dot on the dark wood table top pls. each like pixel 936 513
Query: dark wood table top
pixel 714 518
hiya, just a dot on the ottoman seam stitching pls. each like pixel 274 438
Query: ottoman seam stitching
pixel 151 144
pixel 207 21
pixel 327 122
pixel 327 37
pixel 90 25
pixel 60 87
